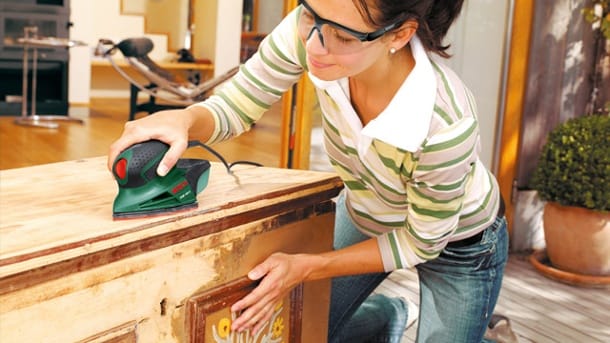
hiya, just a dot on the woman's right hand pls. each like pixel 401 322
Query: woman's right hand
pixel 169 126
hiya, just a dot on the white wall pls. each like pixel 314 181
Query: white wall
pixel 168 17
pixel 94 20
pixel 273 11
pixel 218 32
pixel 80 57
pixel 228 33
pixel 477 44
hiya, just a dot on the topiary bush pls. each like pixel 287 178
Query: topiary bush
pixel 574 167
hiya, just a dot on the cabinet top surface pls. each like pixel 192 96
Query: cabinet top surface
pixel 65 209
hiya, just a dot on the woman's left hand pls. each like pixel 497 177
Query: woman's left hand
pixel 280 273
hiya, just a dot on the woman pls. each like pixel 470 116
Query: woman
pixel 401 131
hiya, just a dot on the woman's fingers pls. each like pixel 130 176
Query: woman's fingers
pixel 171 157
pixel 254 319
pixel 262 270
pixel 166 126
pixel 263 319
pixel 257 307
pixel 126 140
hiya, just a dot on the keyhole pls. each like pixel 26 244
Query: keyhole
pixel 163 305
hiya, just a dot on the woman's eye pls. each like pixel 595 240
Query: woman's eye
pixel 346 39
pixel 343 37
pixel 307 15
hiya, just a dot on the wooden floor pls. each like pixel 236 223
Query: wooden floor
pixel 540 309
pixel 22 146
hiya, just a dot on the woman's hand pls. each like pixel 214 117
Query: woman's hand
pixel 171 127
pixel 280 272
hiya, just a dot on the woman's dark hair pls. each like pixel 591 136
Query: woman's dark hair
pixel 434 18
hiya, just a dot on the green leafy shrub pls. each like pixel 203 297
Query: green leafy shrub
pixel 574 167
pixel 598 14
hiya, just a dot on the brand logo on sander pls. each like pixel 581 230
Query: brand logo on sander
pixel 179 187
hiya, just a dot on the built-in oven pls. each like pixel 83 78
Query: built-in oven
pixel 51 18
pixel 12 26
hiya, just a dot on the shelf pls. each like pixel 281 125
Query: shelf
pixel 96 63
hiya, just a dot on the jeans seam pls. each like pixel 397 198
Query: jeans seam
pixel 362 294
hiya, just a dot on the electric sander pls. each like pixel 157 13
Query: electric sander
pixel 143 193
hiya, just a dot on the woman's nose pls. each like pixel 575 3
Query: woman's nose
pixel 315 42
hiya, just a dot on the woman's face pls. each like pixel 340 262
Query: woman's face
pixel 342 54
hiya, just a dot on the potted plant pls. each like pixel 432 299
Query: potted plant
pixel 573 178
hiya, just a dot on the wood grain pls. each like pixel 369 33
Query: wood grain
pixel 57 211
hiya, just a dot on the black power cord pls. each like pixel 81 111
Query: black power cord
pixel 222 159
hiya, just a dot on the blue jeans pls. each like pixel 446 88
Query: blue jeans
pixel 458 292
pixel 355 314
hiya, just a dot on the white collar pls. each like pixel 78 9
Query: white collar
pixel 405 121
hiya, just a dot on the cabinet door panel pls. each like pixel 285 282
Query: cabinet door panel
pixel 209 317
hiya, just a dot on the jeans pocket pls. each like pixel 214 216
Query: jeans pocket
pixel 476 256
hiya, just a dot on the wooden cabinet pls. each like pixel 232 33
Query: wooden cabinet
pixel 70 273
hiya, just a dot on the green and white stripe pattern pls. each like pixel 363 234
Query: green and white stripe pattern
pixel 414 202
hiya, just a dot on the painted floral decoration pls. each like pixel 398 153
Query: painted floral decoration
pixel 272 332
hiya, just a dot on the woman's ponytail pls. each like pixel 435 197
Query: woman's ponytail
pixel 434 18
pixel 435 24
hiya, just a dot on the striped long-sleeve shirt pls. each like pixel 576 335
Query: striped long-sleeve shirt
pixel 413 176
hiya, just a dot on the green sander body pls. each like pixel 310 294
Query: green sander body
pixel 142 192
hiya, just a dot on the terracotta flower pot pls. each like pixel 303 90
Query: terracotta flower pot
pixel 577 239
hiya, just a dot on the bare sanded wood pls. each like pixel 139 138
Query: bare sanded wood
pixel 57 211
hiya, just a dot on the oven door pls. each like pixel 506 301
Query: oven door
pixel 12 27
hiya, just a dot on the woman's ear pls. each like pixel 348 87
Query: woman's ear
pixel 404 33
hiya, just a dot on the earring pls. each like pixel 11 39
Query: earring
pixel 392 50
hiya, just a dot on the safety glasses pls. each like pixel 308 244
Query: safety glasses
pixel 336 38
